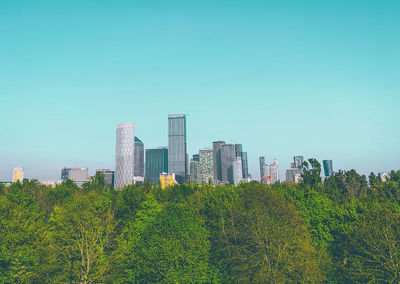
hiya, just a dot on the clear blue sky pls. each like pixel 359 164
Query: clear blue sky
pixel 284 78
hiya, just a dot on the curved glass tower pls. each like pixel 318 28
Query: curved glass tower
pixel 124 155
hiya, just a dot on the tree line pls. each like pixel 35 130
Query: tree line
pixel 345 229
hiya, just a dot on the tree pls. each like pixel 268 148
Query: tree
pixel 373 248
pixel 81 234
pixel 270 242
pixel 169 245
pixel 311 172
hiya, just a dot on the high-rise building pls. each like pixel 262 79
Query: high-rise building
pixel 124 155
pixel 227 157
pixel 177 152
pixel 139 158
pixel 18 174
pixel 77 175
pixel 156 163
pixel 194 168
pixel 271 173
pixel 262 162
pixel 295 170
pixel 237 171
pixel 217 160
pixel 328 167
pixel 108 175
pixel 206 166
pixel 245 166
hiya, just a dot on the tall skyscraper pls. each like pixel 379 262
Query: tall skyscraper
pixel 139 158
pixel 206 166
pixel 217 160
pixel 237 171
pixel 18 174
pixel 156 164
pixel 177 152
pixel 108 175
pixel 228 157
pixel 262 162
pixel 328 167
pixel 271 173
pixel 194 168
pixel 124 155
pixel 245 166
pixel 77 175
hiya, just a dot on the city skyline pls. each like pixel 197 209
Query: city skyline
pixel 283 79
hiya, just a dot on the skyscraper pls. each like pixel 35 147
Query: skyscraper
pixel 328 167
pixel 124 155
pixel 217 160
pixel 206 166
pixel 245 166
pixel 194 168
pixel 293 173
pixel 237 171
pixel 18 174
pixel 156 163
pixel 177 153
pixel 227 157
pixel 262 162
pixel 139 158
pixel 271 173
pixel 77 175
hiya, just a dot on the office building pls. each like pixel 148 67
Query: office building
pixel 77 175
pixel 124 155
pixel 271 173
pixel 108 176
pixel 206 166
pixel 139 158
pixel 294 172
pixel 217 160
pixel 262 163
pixel 328 167
pixel 167 180
pixel 245 166
pixel 237 170
pixel 227 158
pixel 156 163
pixel 177 152
pixel 194 168
pixel 18 174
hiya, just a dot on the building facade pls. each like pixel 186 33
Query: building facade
pixel 245 166
pixel 177 151
pixel 124 155
pixel 328 167
pixel 194 168
pixel 167 180
pixel 206 166
pixel 228 157
pixel 217 160
pixel 294 172
pixel 139 158
pixel 262 163
pixel 237 171
pixel 77 175
pixel 18 174
pixel 108 176
pixel 156 163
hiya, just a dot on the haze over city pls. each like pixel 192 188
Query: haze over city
pixel 282 80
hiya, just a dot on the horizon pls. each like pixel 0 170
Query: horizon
pixel 282 79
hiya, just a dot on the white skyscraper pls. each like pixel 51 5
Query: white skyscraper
pixel 237 170
pixel 124 155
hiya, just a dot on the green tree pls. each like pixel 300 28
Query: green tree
pixel 81 239
pixel 311 175
pixel 372 252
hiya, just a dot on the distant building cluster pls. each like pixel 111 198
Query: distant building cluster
pixel 224 163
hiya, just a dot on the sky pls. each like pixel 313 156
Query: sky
pixel 314 78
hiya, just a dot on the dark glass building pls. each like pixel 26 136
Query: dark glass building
pixel 217 159
pixel 328 167
pixel 156 163
pixel 177 153
pixel 228 157
pixel 139 158
pixel 262 164
pixel 245 166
